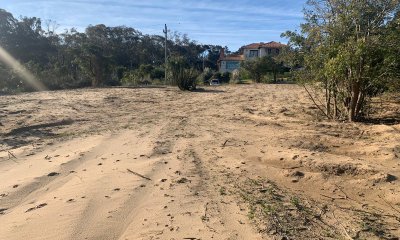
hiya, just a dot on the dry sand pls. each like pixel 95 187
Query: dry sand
pixel 228 162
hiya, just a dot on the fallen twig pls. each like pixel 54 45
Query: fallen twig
pixel 138 174
pixel 223 145
pixel 388 203
pixel 333 198
pixel 291 168
pixel 11 156
pixel 361 135
pixel 205 212
pixel 366 212
pixel 344 229
pixel 345 194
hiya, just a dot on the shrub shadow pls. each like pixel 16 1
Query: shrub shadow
pixel 207 90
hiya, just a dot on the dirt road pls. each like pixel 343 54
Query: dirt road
pixel 231 162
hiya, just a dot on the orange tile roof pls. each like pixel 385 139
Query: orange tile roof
pixel 264 45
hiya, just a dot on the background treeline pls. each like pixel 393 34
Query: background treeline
pixel 99 56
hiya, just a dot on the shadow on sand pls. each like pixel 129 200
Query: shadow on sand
pixel 382 121
pixel 207 90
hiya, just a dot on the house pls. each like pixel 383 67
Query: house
pixel 229 63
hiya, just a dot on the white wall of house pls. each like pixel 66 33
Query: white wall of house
pixel 262 52
pixel 251 53
pixel 222 68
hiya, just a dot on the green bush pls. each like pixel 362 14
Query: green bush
pixel 217 75
pixel 225 77
pixel 182 74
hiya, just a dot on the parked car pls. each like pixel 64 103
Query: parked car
pixel 214 82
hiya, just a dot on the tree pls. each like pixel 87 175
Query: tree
pixel 258 68
pixel 212 55
pixel 99 56
pixel 392 60
pixel 342 45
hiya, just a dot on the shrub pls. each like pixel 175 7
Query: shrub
pixel 225 77
pixel 182 75
pixel 235 79
pixel 217 75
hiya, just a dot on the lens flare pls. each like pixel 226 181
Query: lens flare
pixel 28 77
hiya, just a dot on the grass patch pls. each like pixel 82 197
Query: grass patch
pixel 278 213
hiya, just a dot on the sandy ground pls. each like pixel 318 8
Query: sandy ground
pixel 228 162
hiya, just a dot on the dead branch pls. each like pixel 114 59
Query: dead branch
pixel 366 212
pixel 345 194
pixel 316 104
pixel 333 198
pixel 388 203
pixel 344 229
pixel 138 174
pixel 291 168
pixel 10 154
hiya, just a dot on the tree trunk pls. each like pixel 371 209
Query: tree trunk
pixel 360 103
pixel 335 107
pixel 355 94
pixel 98 73
pixel 327 99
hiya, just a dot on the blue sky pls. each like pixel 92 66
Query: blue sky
pixel 230 23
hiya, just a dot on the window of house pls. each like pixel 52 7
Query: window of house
pixel 232 65
pixel 269 50
pixel 277 51
pixel 253 53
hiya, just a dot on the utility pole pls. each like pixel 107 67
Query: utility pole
pixel 166 36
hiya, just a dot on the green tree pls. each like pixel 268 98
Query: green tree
pixel 341 45
pixel 258 68
pixel 99 56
